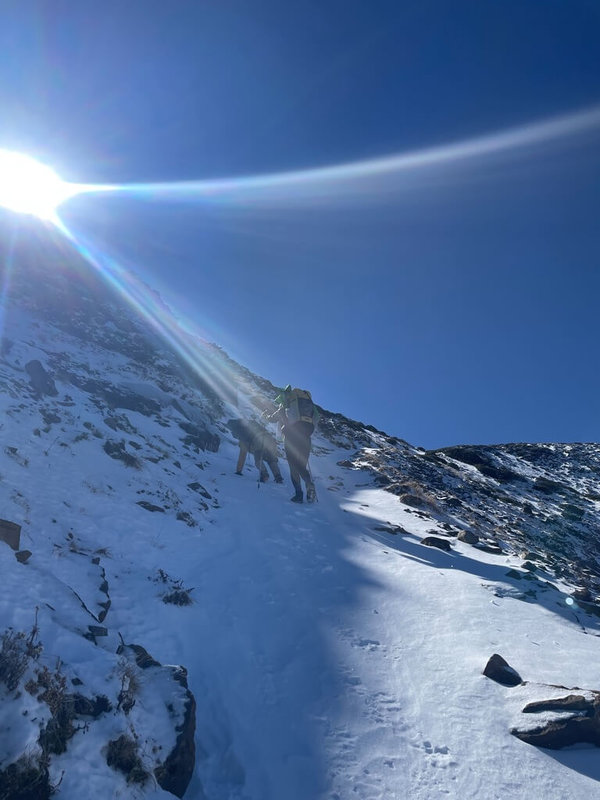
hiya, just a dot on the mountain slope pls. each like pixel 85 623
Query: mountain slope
pixel 330 653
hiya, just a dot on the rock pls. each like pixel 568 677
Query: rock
pixel 578 723
pixel 547 486
pixel 23 555
pixel 85 707
pixel 394 530
pixel 97 630
pixel 10 533
pixel 434 541
pixel 468 537
pixel 142 657
pixel 118 451
pixel 413 500
pixel 150 506
pixel 489 547
pixel 39 379
pixel 582 594
pixel 572 513
pixel 200 438
pixel 197 487
pixel 175 773
pixel 529 566
pixel 499 670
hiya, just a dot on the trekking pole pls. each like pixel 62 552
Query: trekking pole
pixel 260 460
pixel 312 480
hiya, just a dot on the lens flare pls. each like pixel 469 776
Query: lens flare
pixel 332 182
pixel 30 187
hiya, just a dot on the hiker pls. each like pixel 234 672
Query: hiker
pixel 297 416
pixel 255 439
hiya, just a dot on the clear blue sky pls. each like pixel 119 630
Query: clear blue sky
pixel 456 307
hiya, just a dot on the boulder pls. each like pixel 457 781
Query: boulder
pixel 434 541
pixel 468 537
pixel 563 721
pixel 499 670
pixel 10 533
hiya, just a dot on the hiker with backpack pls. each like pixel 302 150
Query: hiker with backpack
pixel 297 416
pixel 254 438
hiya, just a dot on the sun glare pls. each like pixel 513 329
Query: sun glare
pixel 29 187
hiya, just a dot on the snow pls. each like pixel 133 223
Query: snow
pixel 329 660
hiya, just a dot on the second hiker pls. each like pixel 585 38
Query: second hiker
pixel 255 439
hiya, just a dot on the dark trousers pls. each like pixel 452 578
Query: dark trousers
pixel 297 450
pixel 267 458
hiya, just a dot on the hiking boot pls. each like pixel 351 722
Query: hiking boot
pixel 297 498
pixel 264 478
pixel 278 479
pixel 238 472
pixel 311 494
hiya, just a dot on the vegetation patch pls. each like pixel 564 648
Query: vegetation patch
pixel 122 754
pixel 176 594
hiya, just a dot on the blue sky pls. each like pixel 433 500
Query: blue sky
pixel 457 304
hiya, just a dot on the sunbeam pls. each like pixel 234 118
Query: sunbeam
pixel 152 309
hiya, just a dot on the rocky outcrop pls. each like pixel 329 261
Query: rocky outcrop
pixel 175 773
pixel 563 721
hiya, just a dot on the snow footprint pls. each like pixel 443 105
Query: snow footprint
pixel 439 755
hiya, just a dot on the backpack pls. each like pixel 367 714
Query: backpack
pixel 300 407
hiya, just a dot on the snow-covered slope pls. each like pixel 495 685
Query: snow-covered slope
pixel 329 652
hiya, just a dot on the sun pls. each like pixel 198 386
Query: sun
pixel 30 187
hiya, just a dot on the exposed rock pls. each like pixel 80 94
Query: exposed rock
pixel 118 451
pixel 150 506
pixel 413 500
pixel 498 473
pixel 23 556
pixel 97 630
pixel 582 594
pixel 39 379
pixel 572 513
pixel 547 486
pixel 197 487
pixel 468 537
pixel 175 773
pixel 142 657
pixel 434 541
pixel 500 671
pixel 393 529
pixel 200 438
pixel 10 533
pixel 566 721
pixel 489 547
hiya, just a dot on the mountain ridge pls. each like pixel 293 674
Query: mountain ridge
pixel 117 465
